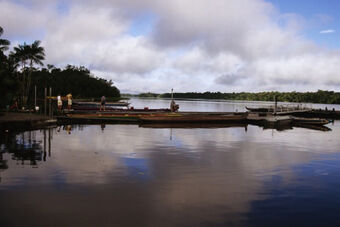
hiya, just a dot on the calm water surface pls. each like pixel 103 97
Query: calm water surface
pixel 127 175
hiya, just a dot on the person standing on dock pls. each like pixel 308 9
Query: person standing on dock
pixel 60 103
pixel 69 101
pixel 102 103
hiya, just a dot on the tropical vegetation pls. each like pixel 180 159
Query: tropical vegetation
pixel 22 69
pixel 328 97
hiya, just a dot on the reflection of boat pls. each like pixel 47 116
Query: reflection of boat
pixel 190 118
pixel 193 125
pixel 277 127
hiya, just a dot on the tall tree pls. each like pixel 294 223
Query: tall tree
pixel 36 54
pixel 20 55
pixel 7 80
pixel 4 43
pixel 28 55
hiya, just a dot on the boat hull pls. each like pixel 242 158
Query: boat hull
pixel 179 118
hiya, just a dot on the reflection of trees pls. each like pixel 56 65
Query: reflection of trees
pixel 3 163
pixel 25 148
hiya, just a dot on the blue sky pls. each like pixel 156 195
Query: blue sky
pixel 310 9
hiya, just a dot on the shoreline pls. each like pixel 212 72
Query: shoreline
pixel 20 121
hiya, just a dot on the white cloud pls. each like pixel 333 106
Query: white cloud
pixel 194 45
pixel 327 31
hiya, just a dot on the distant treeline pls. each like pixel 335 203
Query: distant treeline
pixel 328 97
pixel 19 75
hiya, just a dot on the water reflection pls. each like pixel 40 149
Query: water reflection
pixel 28 148
pixel 25 148
pixel 156 175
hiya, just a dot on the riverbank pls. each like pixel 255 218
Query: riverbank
pixel 15 121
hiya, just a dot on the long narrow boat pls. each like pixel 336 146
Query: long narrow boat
pixel 191 125
pixel 108 104
pixel 189 118
pixel 105 117
pixel 314 127
pixel 94 109
pixel 310 121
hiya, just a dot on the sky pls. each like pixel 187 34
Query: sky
pixel 187 45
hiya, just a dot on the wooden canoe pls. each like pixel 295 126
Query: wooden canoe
pixel 187 118
pixel 310 121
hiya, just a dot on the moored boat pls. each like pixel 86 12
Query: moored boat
pixel 310 121
pixel 267 118
pixel 188 118
pixel 191 125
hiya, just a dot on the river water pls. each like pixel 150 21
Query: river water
pixel 130 175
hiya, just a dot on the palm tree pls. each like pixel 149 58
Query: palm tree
pixel 20 55
pixel 4 43
pixel 36 54
pixel 31 55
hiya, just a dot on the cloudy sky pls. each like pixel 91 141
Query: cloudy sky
pixel 188 45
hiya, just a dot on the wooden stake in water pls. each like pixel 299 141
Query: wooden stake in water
pixel 50 104
pixel 35 96
pixel 45 104
pixel 275 107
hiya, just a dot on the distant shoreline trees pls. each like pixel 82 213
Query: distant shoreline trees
pixel 326 97
pixel 18 75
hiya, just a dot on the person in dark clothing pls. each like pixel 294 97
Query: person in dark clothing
pixel 102 103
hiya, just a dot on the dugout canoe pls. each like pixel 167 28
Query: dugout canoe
pixel 190 118
pixel 193 125
pixel 310 121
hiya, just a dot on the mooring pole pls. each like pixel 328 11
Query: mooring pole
pixel 50 104
pixel 275 107
pixel 172 94
pixel 45 104
pixel 44 144
pixel 35 96
pixel 49 142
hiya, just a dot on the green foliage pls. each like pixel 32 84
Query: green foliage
pixel 18 76
pixel 8 84
pixel 327 97
pixel 75 80
pixel 148 95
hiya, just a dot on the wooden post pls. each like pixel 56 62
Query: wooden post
pixel 49 142
pixel 275 107
pixel 50 104
pixel 45 104
pixel 35 96
pixel 44 144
